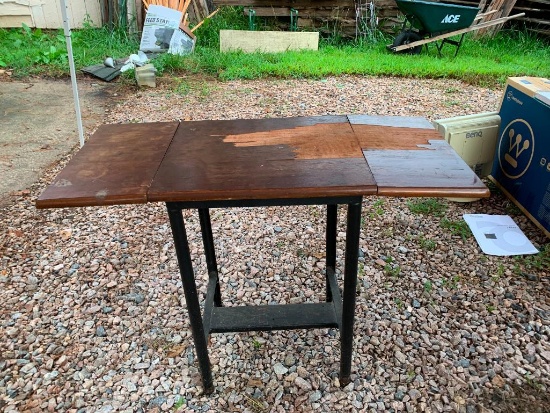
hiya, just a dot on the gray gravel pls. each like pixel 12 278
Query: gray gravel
pixel 94 320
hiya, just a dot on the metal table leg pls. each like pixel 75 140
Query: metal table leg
pixel 190 290
pixel 332 212
pixel 210 253
pixel 350 285
pixel 335 312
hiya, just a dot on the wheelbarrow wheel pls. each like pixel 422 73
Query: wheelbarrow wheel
pixel 406 37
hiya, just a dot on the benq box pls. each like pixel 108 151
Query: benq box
pixel 522 161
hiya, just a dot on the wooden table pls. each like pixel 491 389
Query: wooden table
pixel 330 160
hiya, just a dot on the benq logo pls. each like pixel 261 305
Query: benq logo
pixel 451 18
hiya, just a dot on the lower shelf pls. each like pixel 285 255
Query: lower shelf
pixel 272 317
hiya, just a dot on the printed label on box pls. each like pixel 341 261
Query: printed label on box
pixel 522 162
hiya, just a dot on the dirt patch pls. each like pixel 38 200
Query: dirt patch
pixel 39 125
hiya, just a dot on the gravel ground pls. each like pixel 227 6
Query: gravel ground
pixel 94 320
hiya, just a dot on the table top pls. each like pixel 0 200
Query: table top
pixel 304 157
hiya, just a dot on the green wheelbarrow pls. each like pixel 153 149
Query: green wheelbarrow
pixel 427 21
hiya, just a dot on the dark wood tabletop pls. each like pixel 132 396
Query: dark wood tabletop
pixel 219 160
pixel 263 159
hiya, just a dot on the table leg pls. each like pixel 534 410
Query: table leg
pixel 209 252
pixel 332 211
pixel 350 285
pixel 190 290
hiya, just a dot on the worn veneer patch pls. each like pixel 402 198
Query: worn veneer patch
pixel 437 171
pixel 416 122
pixel 388 137
pixel 320 141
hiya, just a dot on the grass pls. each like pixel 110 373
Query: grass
pixel 540 261
pixel 391 268
pixel 427 206
pixel 180 402
pixel 451 282
pixel 459 227
pixel 482 62
pixel 428 287
pixel 427 243
pixel 528 397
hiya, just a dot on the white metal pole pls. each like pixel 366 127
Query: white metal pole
pixel 67 31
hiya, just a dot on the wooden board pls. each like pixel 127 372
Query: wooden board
pixel 437 172
pixel 263 159
pixel 267 41
pixel 115 166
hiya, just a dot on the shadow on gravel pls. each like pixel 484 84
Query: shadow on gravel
pixel 525 398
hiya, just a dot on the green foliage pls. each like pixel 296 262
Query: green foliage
pixel 486 62
pixel 32 47
pixel 256 344
pixel 228 18
pixel 427 206
pixel 459 227
pixel 44 52
pixel 377 208
pixel 451 283
pixel 540 261
pixel 399 303
pixel 180 402
pixel 428 287
pixel 392 268
pixel 427 243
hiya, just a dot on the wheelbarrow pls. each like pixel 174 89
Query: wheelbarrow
pixel 427 22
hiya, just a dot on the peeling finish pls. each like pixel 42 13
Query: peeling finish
pixel 62 183
pixel 321 141
pixel 102 194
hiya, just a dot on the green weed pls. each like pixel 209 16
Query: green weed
pixel 512 209
pixel 256 344
pixel 180 402
pixel 457 227
pixel 43 52
pixel 427 206
pixel 391 268
pixel 540 261
pixel 426 243
pixel 428 287
pixel 378 207
pixel 451 283
pixel 399 303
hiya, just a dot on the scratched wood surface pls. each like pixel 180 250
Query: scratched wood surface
pixel 408 157
pixel 389 137
pixel 115 166
pixel 416 122
pixel 263 159
pixel 436 170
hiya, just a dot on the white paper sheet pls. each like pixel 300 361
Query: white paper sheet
pixel 499 235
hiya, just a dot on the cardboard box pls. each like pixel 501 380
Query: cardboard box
pixel 522 161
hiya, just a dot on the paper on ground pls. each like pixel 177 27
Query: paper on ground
pixel 499 235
